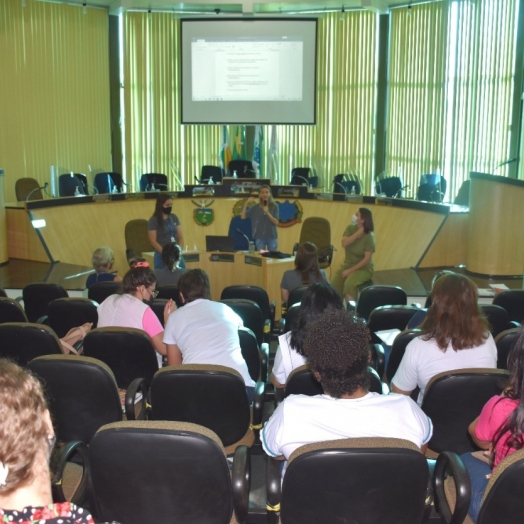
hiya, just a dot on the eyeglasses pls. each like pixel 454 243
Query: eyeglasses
pixel 154 293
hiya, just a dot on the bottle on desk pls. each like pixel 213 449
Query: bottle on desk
pixel 77 192
pixel 210 181
pixel 353 193
pixel 235 176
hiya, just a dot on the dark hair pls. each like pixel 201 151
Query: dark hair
pixel 515 391
pixel 171 254
pixel 136 277
pixel 306 261
pixel 161 199
pixel 194 284
pixel 317 298
pixel 337 347
pixel 365 214
pixel 454 316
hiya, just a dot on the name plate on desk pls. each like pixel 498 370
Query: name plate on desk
pixel 253 261
pixel 191 257
pixel 222 257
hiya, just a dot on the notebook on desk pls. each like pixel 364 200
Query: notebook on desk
pixel 220 243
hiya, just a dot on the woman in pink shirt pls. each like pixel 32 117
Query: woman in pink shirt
pixel 498 429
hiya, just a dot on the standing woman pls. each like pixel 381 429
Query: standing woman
pixel 163 228
pixel 264 219
pixel 359 242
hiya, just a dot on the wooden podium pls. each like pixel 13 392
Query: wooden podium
pixel 495 232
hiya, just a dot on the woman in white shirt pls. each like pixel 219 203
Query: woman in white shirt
pixel 455 335
pixel 290 353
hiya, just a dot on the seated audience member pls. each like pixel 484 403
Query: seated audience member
pixel 337 346
pixel 455 335
pixel 102 261
pixel 290 352
pixel 132 308
pixel 170 273
pixel 499 429
pixel 306 270
pixel 26 441
pixel 203 331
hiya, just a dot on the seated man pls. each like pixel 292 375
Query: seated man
pixel 204 332
pixel 338 352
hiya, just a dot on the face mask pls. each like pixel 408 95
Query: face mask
pixel 167 210
pixel 354 220
pixel 148 302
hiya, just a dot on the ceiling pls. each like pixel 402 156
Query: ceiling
pixel 242 7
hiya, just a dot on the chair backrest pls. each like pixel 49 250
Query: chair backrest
pixel 389 317
pixel 300 176
pixel 497 317
pixel 432 188
pixel 301 381
pixel 503 501
pixel 212 396
pixel 240 229
pixel 292 316
pixel 374 296
pixel 255 293
pixel 68 184
pixel 389 186
pixel 107 182
pixel 11 311
pixel 27 189
pixel 82 394
pixel 38 295
pixel 355 480
pixel 136 235
pixel 513 302
pixel 398 349
pixel 296 295
pixel 214 172
pixel 3 293
pixel 170 292
pixel 244 168
pixel 159 472
pixel 128 352
pixel 462 198
pixel 158 180
pixel 505 342
pixel 251 353
pixel 250 313
pixel 23 341
pixel 99 291
pixel 318 231
pixel 452 400
pixel 67 313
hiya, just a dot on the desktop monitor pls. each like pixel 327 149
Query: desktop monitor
pixel 220 243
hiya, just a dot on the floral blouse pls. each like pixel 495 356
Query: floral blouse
pixel 60 513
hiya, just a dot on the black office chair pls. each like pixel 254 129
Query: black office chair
pixel 109 182
pixel 453 399
pixel 374 296
pixel 505 342
pixel 99 291
pixel 252 317
pixel 390 187
pixel 432 188
pixel 67 313
pixel 498 318
pixel 462 198
pixel 389 317
pixel 371 480
pixel 342 184
pixel 11 311
pixel 37 296
pixel 72 184
pixel 153 182
pixel 210 172
pixel 300 176
pixel 241 231
pixel 512 301
pixel 159 472
pixel 243 168
pixel 170 292
pixel 28 189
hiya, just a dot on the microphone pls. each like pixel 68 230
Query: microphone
pixel 506 162
pixel 400 191
pixel 44 187
pixel 301 178
pixel 342 186
pixel 245 236
pixel 264 202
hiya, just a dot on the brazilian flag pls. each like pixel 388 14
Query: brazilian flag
pixel 238 134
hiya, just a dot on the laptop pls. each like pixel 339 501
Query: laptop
pixel 220 243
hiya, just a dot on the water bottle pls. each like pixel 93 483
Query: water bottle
pixel 210 181
pixel 353 193
pixel 115 190
pixel 251 247
pixel 77 192
pixel 235 176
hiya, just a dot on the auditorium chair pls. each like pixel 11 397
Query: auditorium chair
pixel 170 292
pixel 512 301
pixel 21 342
pixel 498 318
pixel 166 472
pixel 128 352
pixel 11 311
pixel 505 342
pixel 389 317
pixel 374 296
pixel 37 296
pixel 318 231
pixel 209 395
pixel 253 318
pixel 243 168
pixel 99 291
pixel 255 358
pixel 371 480
pixel 454 399
pixel 67 313
pixel 289 320
pixel 502 500
pixel 3 293
pixel 108 182
pixel 153 182
pixel 210 173
pixel 28 189
pixel 398 349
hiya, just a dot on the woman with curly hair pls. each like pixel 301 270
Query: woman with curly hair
pixel 337 348
pixel 27 438
pixel 455 335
